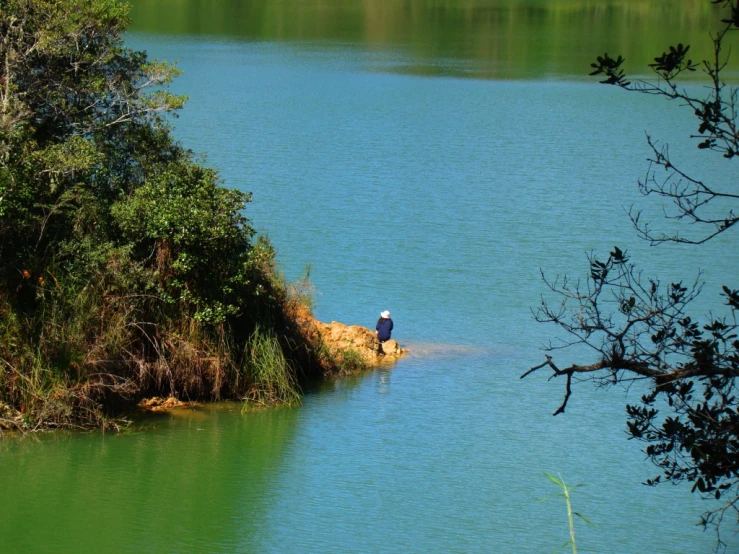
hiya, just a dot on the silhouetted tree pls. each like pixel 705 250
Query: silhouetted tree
pixel 689 417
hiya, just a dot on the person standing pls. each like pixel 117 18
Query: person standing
pixel 384 328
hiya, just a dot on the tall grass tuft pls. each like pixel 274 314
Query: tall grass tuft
pixel 270 376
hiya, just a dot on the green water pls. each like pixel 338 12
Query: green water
pixel 427 158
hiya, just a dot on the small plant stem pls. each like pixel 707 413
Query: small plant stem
pixel 569 517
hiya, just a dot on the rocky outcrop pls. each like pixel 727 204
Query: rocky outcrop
pixel 364 342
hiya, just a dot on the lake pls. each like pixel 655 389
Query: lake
pixel 428 158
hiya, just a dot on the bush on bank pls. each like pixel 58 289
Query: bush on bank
pixel 126 268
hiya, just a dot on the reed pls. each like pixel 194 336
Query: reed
pixel 270 376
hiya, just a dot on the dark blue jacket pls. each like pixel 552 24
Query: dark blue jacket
pixel 384 327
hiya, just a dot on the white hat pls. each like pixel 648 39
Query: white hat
pixel 385 314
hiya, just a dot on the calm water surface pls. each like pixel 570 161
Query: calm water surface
pixel 410 174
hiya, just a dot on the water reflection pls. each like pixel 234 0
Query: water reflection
pixel 192 483
pixel 383 380
pixel 498 39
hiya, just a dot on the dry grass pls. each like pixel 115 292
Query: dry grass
pixel 87 353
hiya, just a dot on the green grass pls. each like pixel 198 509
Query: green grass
pixel 270 376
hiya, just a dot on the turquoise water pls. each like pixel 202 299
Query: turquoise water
pixel 439 199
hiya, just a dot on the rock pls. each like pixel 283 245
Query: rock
pixel 392 348
pixel 158 404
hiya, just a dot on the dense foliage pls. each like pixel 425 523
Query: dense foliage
pixel 125 267
pixel 689 419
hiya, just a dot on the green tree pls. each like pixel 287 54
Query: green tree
pixel 78 132
pixel 126 268
pixel 689 418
